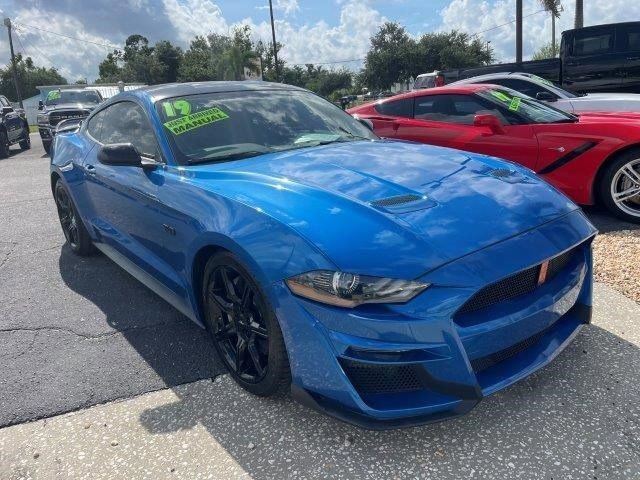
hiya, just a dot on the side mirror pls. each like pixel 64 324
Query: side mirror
pixel 546 96
pixel 6 110
pixel 366 122
pixel 488 120
pixel 120 154
pixel 40 105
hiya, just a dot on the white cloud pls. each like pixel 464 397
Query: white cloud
pixel 195 17
pixel 475 16
pixel 288 7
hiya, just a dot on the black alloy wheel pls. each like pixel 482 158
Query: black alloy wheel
pixel 244 329
pixel 72 226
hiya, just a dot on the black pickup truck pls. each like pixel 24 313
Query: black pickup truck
pixel 14 127
pixel 601 58
pixel 63 104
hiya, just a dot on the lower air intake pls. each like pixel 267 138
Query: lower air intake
pixel 370 378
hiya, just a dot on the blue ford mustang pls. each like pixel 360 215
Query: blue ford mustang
pixel 384 282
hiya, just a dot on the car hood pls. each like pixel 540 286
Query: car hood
pixel 388 207
pixel 607 102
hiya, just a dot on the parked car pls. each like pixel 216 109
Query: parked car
pixel 599 58
pixel 429 80
pixel 591 157
pixel 359 272
pixel 61 105
pixel 14 128
pixel 544 90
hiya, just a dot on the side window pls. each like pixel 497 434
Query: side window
pixel 126 122
pixel 631 38
pixel 589 43
pixel 527 88
pixel 397 108
pixel 95 124
pixel 459 109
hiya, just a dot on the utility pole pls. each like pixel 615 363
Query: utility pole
pixel 518 31
pixel 7 22
pixel 275 48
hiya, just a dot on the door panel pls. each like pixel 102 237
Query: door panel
pixel 517 144
pixel 630 44
pixel 593 62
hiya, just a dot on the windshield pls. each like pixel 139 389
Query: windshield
pixel 530 110
pixel 425 82
pixel 56 97
pixel 561 92
pixel 215 127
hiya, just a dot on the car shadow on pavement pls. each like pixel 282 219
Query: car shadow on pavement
pixel 176 350
pixel 605 222
pixel 579 415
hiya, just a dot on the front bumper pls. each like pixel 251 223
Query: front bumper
pixel 384 366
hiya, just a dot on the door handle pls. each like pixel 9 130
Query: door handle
pixel 90 169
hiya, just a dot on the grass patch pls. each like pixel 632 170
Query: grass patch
pixel 33 129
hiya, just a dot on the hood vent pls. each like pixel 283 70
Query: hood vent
pixel 501 173
pixel 395 201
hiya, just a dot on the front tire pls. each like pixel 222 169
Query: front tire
pixel 47 147
pixel 25 143
pixel 4 144
pixel 620 186
pixel 74 230
pixel 244 328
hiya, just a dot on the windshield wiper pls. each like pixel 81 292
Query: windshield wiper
pixel 352 135
pixel 227 157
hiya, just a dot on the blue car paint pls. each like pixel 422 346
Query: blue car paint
pixel 286 213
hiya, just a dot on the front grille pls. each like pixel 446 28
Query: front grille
pixel 514 286
pixel 370 378
pixel 488 361
pixel 397 200
pixel 57 117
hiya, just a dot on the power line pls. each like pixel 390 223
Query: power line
pixel 40 54
pixel 70 37
pixel 505 24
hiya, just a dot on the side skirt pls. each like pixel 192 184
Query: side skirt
pixel 148 281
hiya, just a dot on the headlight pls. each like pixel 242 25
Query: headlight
pixel 350 290
pixel 43 118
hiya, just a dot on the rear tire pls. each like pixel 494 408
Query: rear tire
pixel 4 144
pixel 74 230
pixel 620 186
pixel 244 328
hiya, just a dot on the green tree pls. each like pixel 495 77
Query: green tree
pixel 389 57
pixel 546 51
pixel 29 77
pixel 197 62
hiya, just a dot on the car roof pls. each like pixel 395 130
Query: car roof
pixel 460 88
pixel 167 90
pixel 489 76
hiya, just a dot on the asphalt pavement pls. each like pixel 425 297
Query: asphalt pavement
pixel 80 332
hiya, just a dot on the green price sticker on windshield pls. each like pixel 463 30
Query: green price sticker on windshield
pixel 195 120
pixel 176 108
pixel 515 104
pixel 500 96
pixel 53 95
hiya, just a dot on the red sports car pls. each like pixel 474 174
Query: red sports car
pixel 591 157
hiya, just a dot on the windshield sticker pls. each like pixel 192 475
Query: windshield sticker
pixel 195 120
pixel 177 107
pixel 53 95
pixel 500 96
pixel 542 80
pixel 515 104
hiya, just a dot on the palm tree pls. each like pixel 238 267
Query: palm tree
pixel 554 7
pixel 579 19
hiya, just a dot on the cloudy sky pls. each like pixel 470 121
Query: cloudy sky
pixel 312 31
